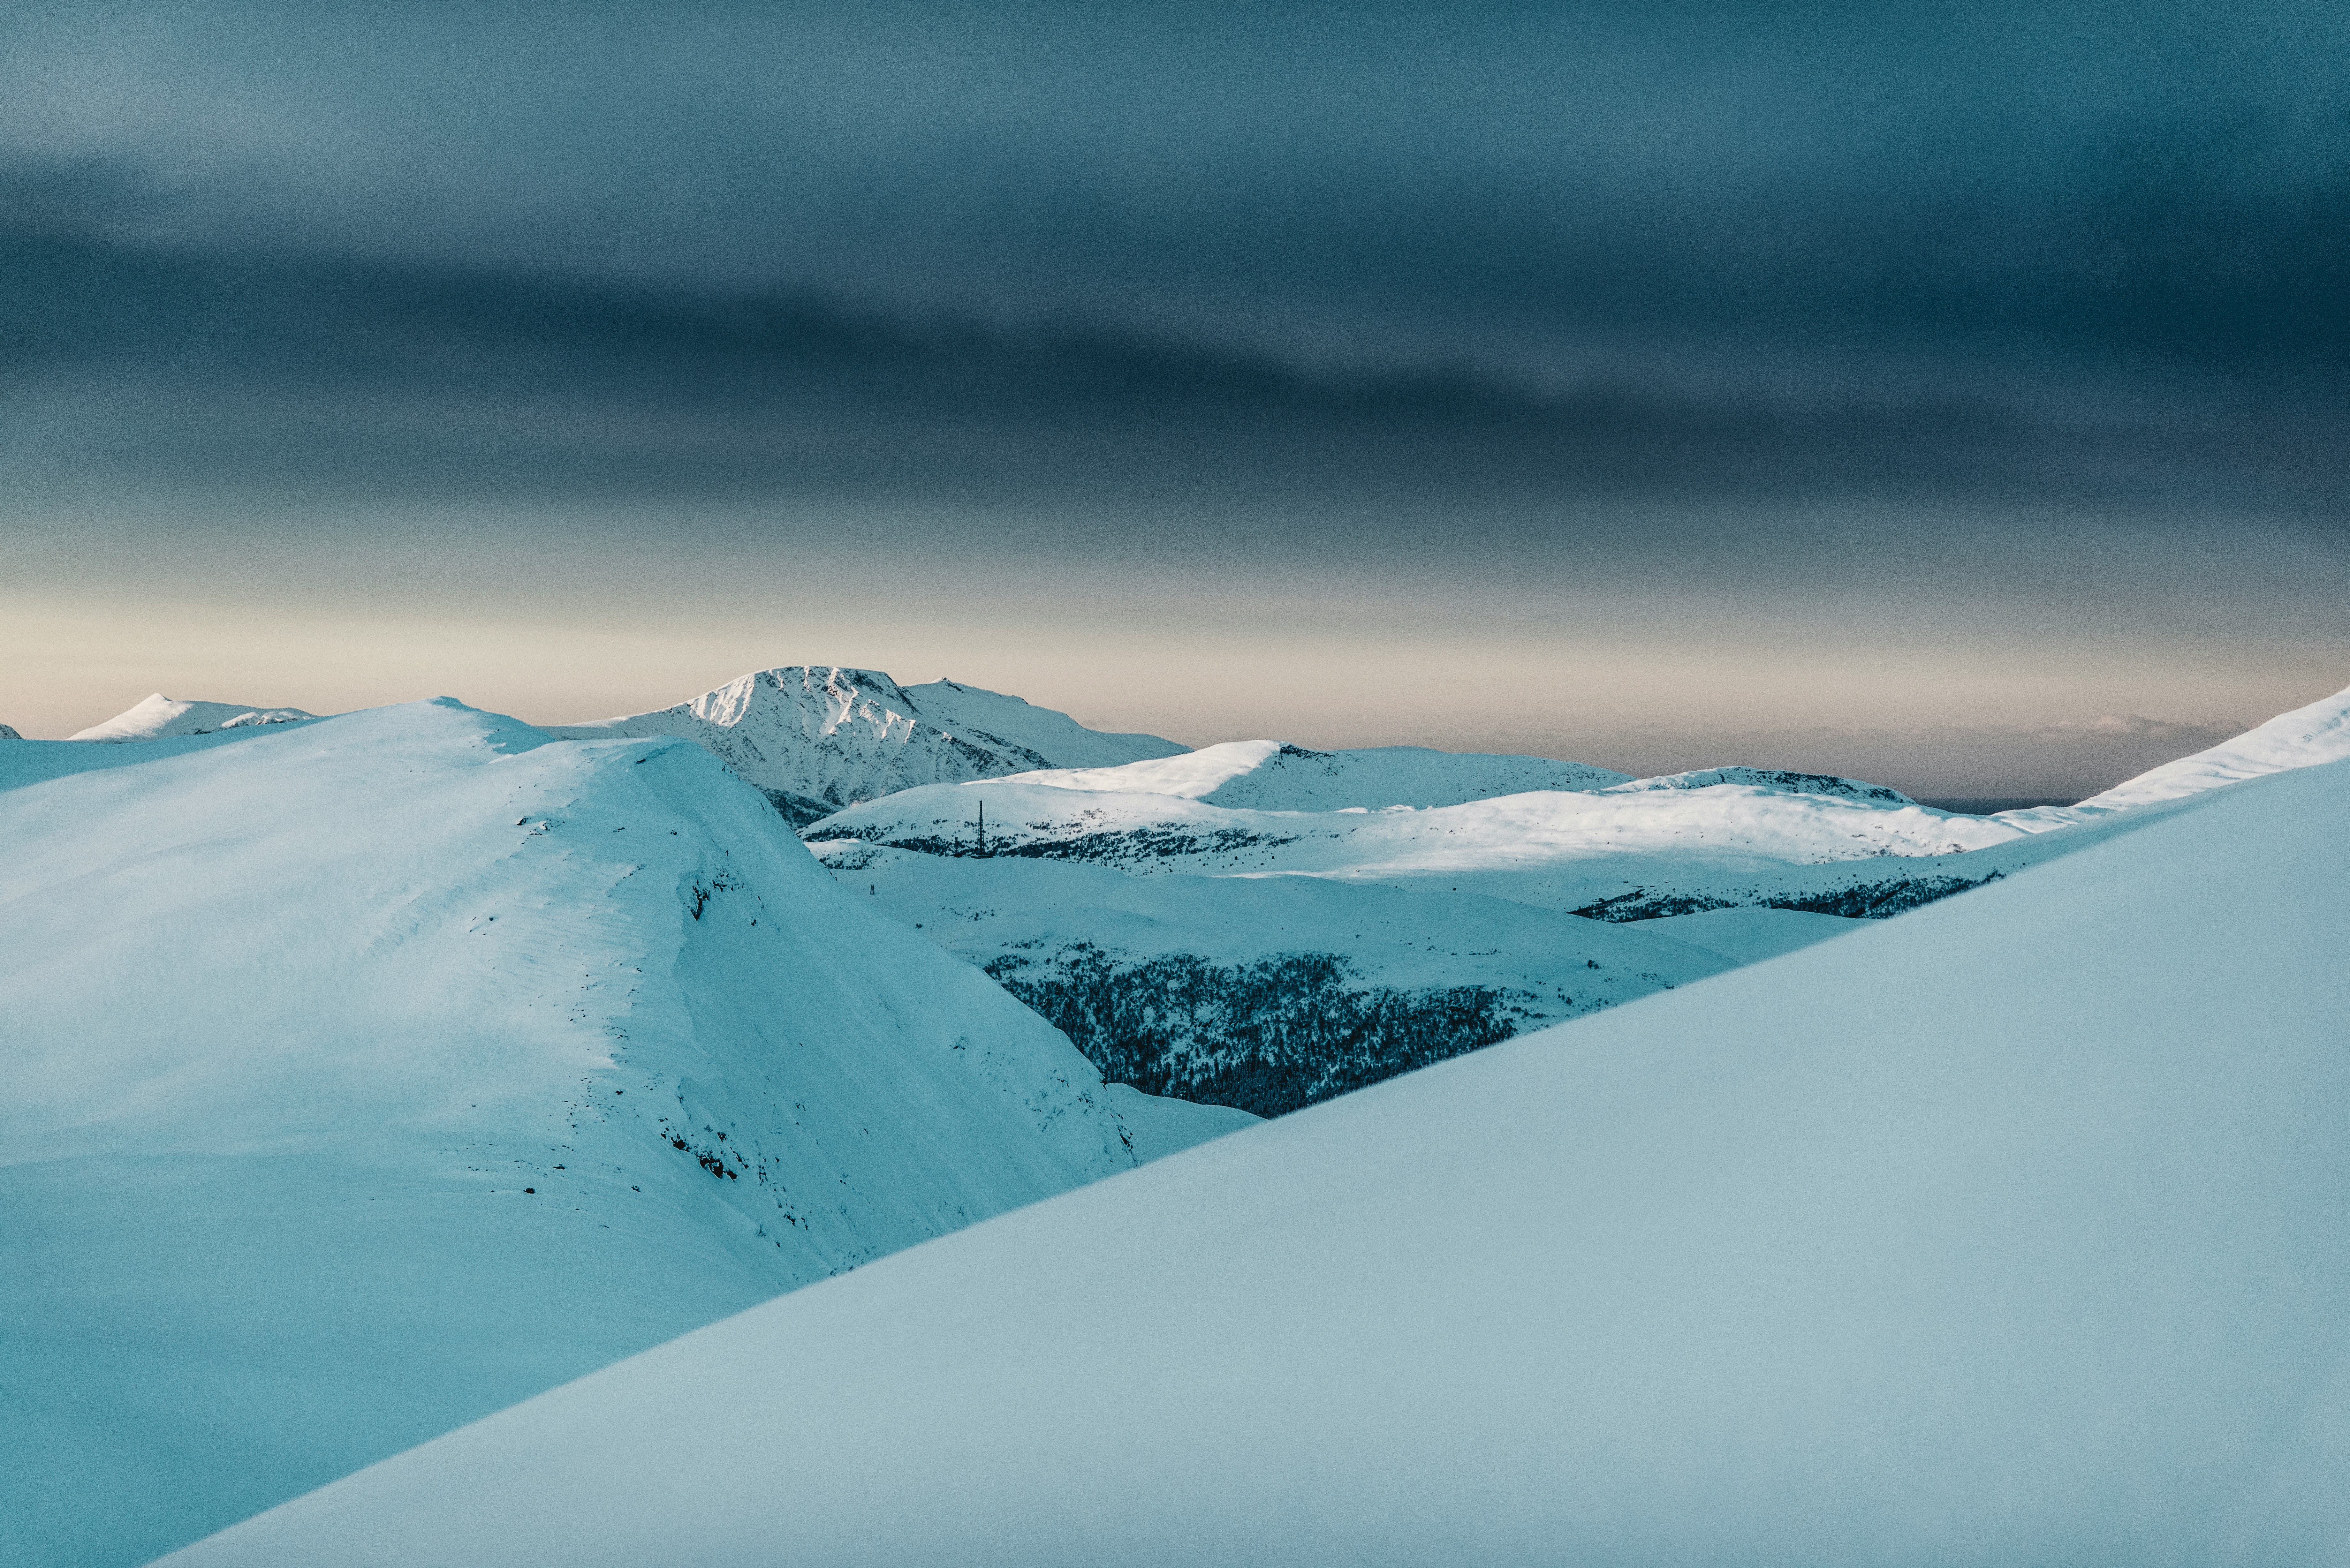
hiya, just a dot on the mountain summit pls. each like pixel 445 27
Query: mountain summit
pixel 817 737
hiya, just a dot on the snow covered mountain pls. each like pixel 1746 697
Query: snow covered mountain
pixel 817 737
pixel 1269 775
pixel 1268 992
pixel 2300 739
pixel 158 716
pixel 2014 1230
pixel 366 1075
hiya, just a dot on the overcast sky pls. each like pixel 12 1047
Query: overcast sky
pixel 1898 388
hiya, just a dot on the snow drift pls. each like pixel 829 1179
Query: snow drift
pixel 365 1076
pixel 818 737
pixel 2015 1231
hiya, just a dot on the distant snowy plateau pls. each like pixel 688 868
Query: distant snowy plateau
pixel 374 1075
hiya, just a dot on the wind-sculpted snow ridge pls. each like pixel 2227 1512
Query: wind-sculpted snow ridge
pixel 1776 780
pixel 1267 993
pixel 368 1074
pixel 817 737
pixel 1555 850
pixel 2303 738
pixel 2016 1231
pixel 1270 775
pixel 158 717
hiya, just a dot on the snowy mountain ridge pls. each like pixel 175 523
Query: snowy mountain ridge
pixel 2304 737
pixel 815 738
pixel 371 1072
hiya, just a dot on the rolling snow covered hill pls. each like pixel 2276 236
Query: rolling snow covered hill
pixel 364 1075
pixel 1272 776
pixel 2015 1231
pixel 1554 848
pixel 159 717
pixel 817 737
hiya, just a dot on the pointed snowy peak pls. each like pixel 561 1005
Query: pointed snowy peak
pixel 158 716
pixel 818 737
pixel 2303 738
pixel 1776 780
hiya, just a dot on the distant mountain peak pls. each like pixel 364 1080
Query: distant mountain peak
pixel 817 737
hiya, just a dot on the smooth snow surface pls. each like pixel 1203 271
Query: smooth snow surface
pixel 2303 738
pixel 1749 936
pixel 2015 1231
pixel 158 716
pixel 817 737
pixel 1269 775
pixel 1159 1128
pixel 295 1021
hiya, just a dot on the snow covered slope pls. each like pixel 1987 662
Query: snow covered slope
pixel 817 737
pixel 2016 1231
pixel 1558 849
pixel 158 716
pixel 2303 738
pixel 1271 777
pixel 365 1076
pixel 953 706
pixel 1268 992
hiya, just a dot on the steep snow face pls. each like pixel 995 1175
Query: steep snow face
pixel 815 738
pixel 1774 780
pixel 1268 775
pixel 1268 992
pixel 2305 737
pixel 159 716
pixel 1558 849
pixel 368 1074
pixel 2016 1231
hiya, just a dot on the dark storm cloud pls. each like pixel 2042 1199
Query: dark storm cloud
pixel 1111 255
pixel 1747 193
